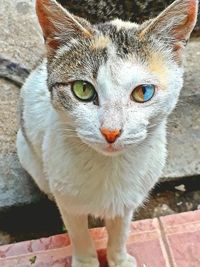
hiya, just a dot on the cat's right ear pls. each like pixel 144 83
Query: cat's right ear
pixel 59 25
pixel 174 24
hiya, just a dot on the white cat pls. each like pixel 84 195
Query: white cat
pixel 93 120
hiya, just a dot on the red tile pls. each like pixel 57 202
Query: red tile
pixel 56 241
pixel 182 233
pixel 59 257
pixel 145 243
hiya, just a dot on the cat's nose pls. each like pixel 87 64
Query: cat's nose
pixel 110 135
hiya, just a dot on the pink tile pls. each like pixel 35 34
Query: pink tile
pixel 145 243
pixel 59 257
pixel 181 218
pixel 14 249
pixel 183 238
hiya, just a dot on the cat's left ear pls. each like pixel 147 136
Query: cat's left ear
pixel 174 24
pixel 59 25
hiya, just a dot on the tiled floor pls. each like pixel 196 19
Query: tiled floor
pixel 172 241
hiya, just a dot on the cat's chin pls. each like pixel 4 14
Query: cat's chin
pixel 108 150
pixel 109 153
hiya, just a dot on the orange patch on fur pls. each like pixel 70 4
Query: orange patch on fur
pixel 158 66
pixel 100 42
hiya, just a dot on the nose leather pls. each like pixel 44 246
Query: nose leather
pixel 110 135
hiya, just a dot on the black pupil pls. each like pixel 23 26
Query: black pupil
pixel 144 90
pixel 84 87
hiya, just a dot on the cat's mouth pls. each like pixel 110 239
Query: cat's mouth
pixel 105 149
pixel 113 149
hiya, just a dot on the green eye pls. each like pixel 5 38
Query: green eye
pixel 84 91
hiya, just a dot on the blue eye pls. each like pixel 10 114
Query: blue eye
pixel 143 93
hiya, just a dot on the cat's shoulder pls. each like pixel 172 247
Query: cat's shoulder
pixel 37 80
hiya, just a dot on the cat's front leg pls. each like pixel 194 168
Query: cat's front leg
pixel 83 250
pixel 118 230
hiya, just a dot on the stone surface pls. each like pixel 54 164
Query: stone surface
pixel 21 39
pixel 165 242
pixel 16 187
pixel 184 139
pixel 184 123
pixel 8 119
pixel 192 68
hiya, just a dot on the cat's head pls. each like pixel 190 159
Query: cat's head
pixel 116 81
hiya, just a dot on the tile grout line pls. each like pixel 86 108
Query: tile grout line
pixel 167 248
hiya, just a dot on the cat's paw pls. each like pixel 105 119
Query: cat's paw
pixel 85 263
pixel 127 261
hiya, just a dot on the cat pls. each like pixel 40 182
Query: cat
pixel 94 114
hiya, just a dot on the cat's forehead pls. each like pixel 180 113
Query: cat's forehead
pixel 114 42
pixel 124 35
pixel 120 34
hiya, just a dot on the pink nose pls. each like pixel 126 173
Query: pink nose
pixel 109 135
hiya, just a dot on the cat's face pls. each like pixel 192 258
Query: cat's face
pixel 115 82
pixel 114 76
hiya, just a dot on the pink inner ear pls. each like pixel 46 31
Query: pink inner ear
pixel 193 7
pixel 43 17
pixel 46 24
pixel 183 32
pixel 192 13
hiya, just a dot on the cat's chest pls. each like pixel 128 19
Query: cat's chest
pixel 96 187
pixel 97 184
pixel 83 173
